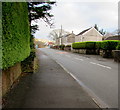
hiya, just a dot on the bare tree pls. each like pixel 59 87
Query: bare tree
pixel 57 33
pixel 116 32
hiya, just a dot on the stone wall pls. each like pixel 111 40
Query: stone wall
pixel 9 76
pixel 116 54
pixel 106 53
pixel 84 51
pixel 67 48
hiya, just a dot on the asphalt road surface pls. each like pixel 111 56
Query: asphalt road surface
pixel 98 76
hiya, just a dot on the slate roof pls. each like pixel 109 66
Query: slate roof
pixel 67 35
pixel 84 31
pixel 113 38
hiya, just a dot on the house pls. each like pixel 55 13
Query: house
pixel 66 39
pixel 117 37
pixel 70 38
pixel 57 42
pixel 108 35
pixel 90 34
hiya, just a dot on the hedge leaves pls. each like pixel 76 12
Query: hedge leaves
pixel 104 45
pixel 16 33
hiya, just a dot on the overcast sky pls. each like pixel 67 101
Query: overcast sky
pixel 76 15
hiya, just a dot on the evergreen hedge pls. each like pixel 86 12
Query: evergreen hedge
pixel 104 45
pixel 16 33
pixel 109 44
pixel 61 46
pixel 118 46
pixel 68 46
pixel 78 45
pixel 90 45
pixel 84 45
pixel 98 44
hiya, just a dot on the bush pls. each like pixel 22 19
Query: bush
pixel 83 45
pixel 118 46
pixel 27 64
pixel 109 44
pixel 90 45
pixel 98 44
pixel 78 45
pixel 68 46
pixel 61 47
pixel 16 33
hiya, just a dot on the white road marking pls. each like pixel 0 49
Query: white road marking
pixel 79 59
pixel 94 97
pixel 93 63
pixel 104 66
pixel 101 65
pixel 67 55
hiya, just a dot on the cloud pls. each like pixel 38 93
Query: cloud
pixel 76 16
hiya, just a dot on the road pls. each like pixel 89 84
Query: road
pixel 98 76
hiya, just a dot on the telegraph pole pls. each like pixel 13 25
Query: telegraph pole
pixel 61 35
pixel 60 31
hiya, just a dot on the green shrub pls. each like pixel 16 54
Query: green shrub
pixel 27 64
pixel 68 46
pixel 78 45
pixel 90 45
pixel 109 44
pixel 16 33
pixel 118 46
pixel 61 46
pixel 83 45
pixel 98 44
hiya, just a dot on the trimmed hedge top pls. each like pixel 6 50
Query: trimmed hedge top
pixel 118 46
pixel 105 45
pixel 83 45
pixel 16 33
pixel 109 44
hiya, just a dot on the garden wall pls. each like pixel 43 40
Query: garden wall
pixel 9 76
pixel 15 40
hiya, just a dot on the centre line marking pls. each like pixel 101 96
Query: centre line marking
pixel 79 59
pixel 93 63
pixel 67 55
pixel 104 66
pixel 101 65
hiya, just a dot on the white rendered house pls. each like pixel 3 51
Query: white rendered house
pixel 90 34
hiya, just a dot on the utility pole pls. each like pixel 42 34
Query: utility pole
pixel 60 35
pixel 61 30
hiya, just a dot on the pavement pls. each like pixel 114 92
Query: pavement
pixel 50 87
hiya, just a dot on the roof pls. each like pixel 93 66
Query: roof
pixel 84 31
pixel 113 38
pixel 67 35
pixel 109 35
pixel 50 43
